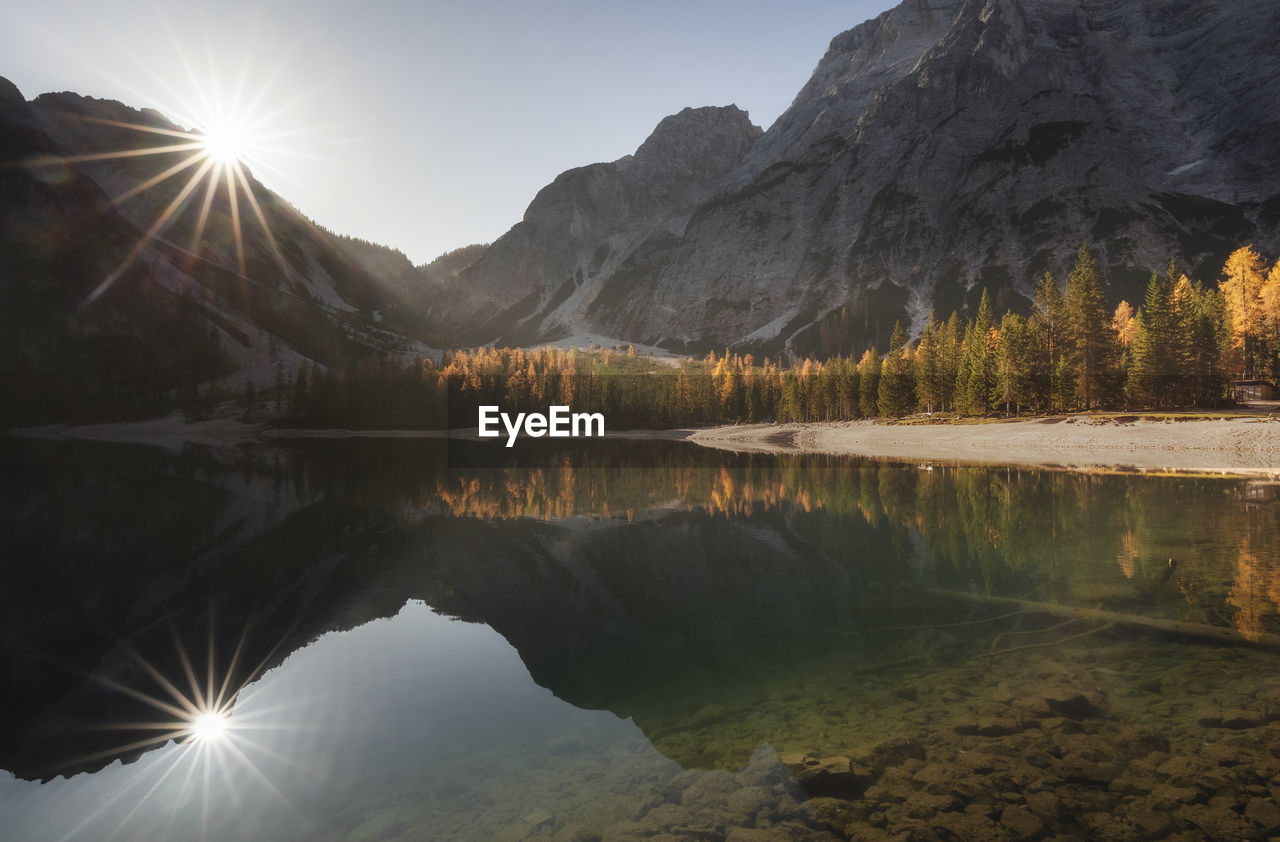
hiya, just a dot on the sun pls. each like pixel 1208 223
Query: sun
pixel 213 141
pixel 225 142
pixel 209 727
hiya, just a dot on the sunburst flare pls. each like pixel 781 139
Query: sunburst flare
pixel 199 714
pixel 214 157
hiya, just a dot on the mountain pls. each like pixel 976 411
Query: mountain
pixel 105 311
pixel 942 148
pixel 591 225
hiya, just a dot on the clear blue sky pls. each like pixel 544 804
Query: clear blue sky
pixel 422 125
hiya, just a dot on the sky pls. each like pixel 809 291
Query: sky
pixel 426 126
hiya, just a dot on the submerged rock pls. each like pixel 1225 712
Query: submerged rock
pixel 1021 822
pixel 1264 813
pixel 892 752
pixel 1072 705
pixel 831 776
pixel 990 726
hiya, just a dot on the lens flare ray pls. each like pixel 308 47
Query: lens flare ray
pixel 172 767
pixel 159 177
pixel 229 134
pixel 159 225
pixel 234 200
pixel 120 124
pixel 211 748
pixel 54 160
pixel 262 220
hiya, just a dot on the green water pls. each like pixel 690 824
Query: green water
pixel 669 643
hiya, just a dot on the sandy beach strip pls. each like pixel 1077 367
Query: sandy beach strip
pixel 171 432
pixel 1248 446
pixel 1241 446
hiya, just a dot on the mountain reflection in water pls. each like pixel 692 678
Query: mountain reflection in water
pixel 721 603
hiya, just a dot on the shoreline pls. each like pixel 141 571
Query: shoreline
pixel 1239 446
pixel 172 433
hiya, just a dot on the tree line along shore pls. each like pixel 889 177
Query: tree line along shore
pixel 1181 347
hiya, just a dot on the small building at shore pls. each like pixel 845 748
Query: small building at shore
pixel 1253 390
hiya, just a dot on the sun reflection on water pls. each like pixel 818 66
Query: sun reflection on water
pixel 211 739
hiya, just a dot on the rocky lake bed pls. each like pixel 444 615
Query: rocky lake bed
pixel 1136 739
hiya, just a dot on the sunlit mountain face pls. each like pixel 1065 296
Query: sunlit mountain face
pixel 940 150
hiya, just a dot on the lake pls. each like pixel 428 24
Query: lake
pixel 668 643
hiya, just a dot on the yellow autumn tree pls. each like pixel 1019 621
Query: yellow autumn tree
pixel 1243 278
pixel 1124 324
pixel 1270 296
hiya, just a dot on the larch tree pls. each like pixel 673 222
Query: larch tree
pixel 1124 323
pixel 869 383
pixel 1270 296
pixel 1243 278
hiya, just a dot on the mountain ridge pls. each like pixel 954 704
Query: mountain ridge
pixel 939 149
pixel 602 210
pixel 141 311
pixel 943 149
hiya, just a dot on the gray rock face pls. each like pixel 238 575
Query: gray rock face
pixel 944 147
pixel 590 224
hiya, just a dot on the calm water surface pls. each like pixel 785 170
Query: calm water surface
pixel 670 642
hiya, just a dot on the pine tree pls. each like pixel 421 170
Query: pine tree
pixel 1181 334
pixel 1013 363
pixel 925 368
pixel 1090 348
pixel 897 384
pixel 1046 328
pixel 1148 371
pixel 975 382
pixel 1210 340
pixel 950 348
pixel 279 387
pixel 299 401
pixel 249 400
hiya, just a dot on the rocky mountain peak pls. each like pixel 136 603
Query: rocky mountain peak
pixel 697 141
pixel 10 96
pixel 942 149
pixel 540 279
pixel 952 146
